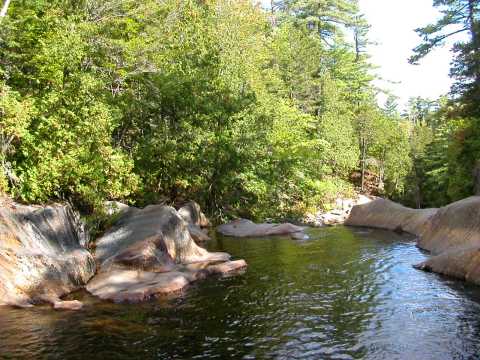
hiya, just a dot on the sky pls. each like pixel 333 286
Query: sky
pixel 392 27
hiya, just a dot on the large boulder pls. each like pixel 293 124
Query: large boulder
pixel 42 254
pixel 385 214
pixel 150 252
pixel 451 234
pixel 452 227
pixel 461 263
pixel 247 228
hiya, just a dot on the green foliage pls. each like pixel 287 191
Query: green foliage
pixel 173 100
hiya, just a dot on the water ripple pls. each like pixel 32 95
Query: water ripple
pixel 346 294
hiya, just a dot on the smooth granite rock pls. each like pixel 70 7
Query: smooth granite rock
pixel 42 254
pixel 386 214
pixel 150 252
pixel 247 228
pixel 451 234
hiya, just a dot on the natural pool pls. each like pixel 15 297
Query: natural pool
pixel 346 294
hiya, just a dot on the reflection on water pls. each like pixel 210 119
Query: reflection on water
pixel 345 294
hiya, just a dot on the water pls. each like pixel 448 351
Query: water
pixel 345 294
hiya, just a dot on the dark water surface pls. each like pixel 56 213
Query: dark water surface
pixel 346 294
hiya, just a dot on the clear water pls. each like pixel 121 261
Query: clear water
pixel 345 294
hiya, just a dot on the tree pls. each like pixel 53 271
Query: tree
pixel 391 107
pixel 459 16
pixel 325 18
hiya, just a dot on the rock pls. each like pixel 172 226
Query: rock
pixel 333 218
pixel 451 233
pixel 338 215
pixel 67 305
pixel 462 264
pixel 227 267
pixel 135 286
pixel 198 234
pixel 192 214
pixel 42 254
pixel 150 252
pixel 453 227
pixel 247 228
pixel 196 220
pixel 385 214
pixel 136 225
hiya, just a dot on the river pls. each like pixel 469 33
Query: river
pixel 345 294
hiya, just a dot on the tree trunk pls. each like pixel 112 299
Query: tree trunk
pixel 475 38
pixel 471 19
pixel 357 45
pixel 476 178
pixel 363 164
pixel 3 12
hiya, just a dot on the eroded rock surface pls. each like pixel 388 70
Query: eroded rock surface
pixel 192 214
pixel 463 264
pixel 386 214
pixel 42 254
pixel 136 285
pixel 150 252
pixel 451 234
pixel 453 227
pixel 247 228
pixel 196 220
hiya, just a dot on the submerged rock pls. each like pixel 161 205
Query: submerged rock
pixel 150 252
pixel 42 254
pixel 247 228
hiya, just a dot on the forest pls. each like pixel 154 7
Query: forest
pixel 253 112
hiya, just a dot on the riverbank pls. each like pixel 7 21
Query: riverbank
pixel 451 233
pixel 45 254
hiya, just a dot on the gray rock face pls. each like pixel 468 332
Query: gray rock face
pixel 247 228
pixel 192 214
pixel 196 220
pixel 149 252
pixel 159 222
pixel 42 254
